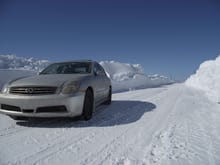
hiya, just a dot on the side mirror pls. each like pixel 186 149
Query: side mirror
pixel 97 73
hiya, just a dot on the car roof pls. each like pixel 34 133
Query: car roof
pixel 76 61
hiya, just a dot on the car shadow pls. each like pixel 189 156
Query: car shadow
pixel 120 112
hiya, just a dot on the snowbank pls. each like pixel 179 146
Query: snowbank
pixel 131 76
pixel 14 62
pixel 207 78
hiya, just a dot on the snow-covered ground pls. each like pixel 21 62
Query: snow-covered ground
pixel 167 125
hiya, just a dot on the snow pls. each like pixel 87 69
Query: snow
pixel 131 76
pixel 21 63
pixel 167 125
pixel 207 79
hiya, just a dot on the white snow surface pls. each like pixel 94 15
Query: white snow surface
pixel 124 76
pixel 167 125
pixel 207 79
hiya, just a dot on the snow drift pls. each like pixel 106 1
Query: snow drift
pixel 131 76
pixel 123 76
pixel 207 79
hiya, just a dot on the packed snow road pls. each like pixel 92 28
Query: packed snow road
pixel 166 125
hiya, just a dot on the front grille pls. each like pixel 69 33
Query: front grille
pixel 51 109
pixel 33 90
pixel 10 108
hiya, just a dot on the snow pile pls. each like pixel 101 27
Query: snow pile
pixel 131 76
pixel 207 78
pixel 14 62
pixel 120 72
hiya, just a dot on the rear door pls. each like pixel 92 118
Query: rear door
pixel 100 86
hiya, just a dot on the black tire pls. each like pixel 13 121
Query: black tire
pixel 18 117
pixel 88 105
pixel 109 101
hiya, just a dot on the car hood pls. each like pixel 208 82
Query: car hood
pixel 47 80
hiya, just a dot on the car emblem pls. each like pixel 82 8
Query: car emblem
pixel 29 90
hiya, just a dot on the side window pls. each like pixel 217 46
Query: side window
pixel 102 70
pixel 98 69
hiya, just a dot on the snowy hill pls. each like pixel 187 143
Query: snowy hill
pixel 124 76
pixel 207 79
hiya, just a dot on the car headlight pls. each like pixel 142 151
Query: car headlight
pixel 70 87
pixel 5 89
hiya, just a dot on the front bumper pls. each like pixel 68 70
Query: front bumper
pixel 29 106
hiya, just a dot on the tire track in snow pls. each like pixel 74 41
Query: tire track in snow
pixel 164 144
pixel 208 140
pixel 202 137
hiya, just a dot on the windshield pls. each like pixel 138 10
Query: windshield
pixel 68 68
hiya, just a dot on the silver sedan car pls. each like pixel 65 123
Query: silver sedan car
pixel 65 89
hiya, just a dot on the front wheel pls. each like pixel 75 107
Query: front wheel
pixel 109 101
pixel 88 105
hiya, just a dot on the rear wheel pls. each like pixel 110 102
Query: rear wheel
pixel 88 105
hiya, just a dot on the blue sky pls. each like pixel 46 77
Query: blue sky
pixel 170 37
